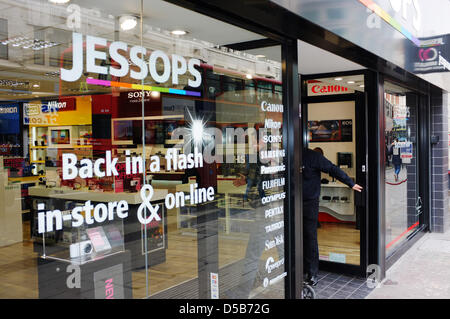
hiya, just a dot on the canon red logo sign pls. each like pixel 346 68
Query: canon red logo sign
pixel 328 89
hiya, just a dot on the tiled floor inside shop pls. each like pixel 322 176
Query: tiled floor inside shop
pixel 336 286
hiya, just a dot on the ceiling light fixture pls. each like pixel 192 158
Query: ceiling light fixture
pixel 127 22
pixel 249 76
pixel 260 56
pixel 155 94
pixel 59 1
pixel 351 82
pixel 361 86
pixel 338 79
pixel 179 32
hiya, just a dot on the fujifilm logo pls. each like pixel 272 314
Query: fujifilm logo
pixel 8 110
pixel 173 67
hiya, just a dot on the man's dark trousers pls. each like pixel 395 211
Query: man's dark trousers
pixel 310 244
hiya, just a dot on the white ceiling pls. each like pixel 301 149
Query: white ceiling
pixel 167 16
pixel 312 60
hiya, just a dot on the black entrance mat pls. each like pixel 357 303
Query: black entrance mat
pixel 336 286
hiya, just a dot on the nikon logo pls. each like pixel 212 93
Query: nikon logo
pixel 57 105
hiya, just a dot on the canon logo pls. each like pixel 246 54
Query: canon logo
pixel 172 67
pixel 269 107
pixel 8 110
pixel 328 88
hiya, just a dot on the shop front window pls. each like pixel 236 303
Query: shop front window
pixel 403 202
pixel 137 162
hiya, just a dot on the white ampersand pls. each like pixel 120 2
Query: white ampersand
pixel 141 213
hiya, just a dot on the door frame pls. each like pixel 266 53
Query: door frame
pixel 361 136
pixel 423 150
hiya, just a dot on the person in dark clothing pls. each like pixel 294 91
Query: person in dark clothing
pixel 314 163
pixel 396 159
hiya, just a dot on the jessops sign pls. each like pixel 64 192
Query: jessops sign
pixel 173 68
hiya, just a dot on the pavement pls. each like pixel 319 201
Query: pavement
pixel 423 272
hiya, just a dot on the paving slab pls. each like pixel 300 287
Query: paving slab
pixel 423 272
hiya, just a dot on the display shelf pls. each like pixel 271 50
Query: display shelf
pixel 337 200
pixel 59 138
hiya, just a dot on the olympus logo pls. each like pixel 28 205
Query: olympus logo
pixel 172 67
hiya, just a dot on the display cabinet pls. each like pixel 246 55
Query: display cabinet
pixel 337 201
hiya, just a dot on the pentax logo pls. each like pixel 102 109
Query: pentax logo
pixel 109 289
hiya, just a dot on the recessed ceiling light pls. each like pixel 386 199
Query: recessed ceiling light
pixel 59 1
pixel 351 82
pixel 249 76
pixel 260 56
pixel 127 22
pixel 35 85
pixel 338 79
pixel 178 32
pixel 155 94
pixel 361 85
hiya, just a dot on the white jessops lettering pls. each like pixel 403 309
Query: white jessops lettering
pixel 139 62
pixel 92 55
pixel 124 66
pixel 175 68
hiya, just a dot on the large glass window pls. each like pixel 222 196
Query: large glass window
pixel 403 203
pixel 140 157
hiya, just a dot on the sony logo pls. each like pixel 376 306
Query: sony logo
pixel 173 67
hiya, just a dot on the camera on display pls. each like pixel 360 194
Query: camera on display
pixel 81 249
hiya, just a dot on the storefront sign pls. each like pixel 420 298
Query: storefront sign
pixel 9 119
pixel 319 88
pixel 61 105
pixel 100 212
pixel 174 67
pixel 429 57
pixel 68 111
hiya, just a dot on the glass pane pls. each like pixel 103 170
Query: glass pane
pixel 403 204
pixel 137 163
pixel 332 130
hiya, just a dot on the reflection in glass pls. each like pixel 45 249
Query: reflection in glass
pixel 90 115
pixel 402 201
